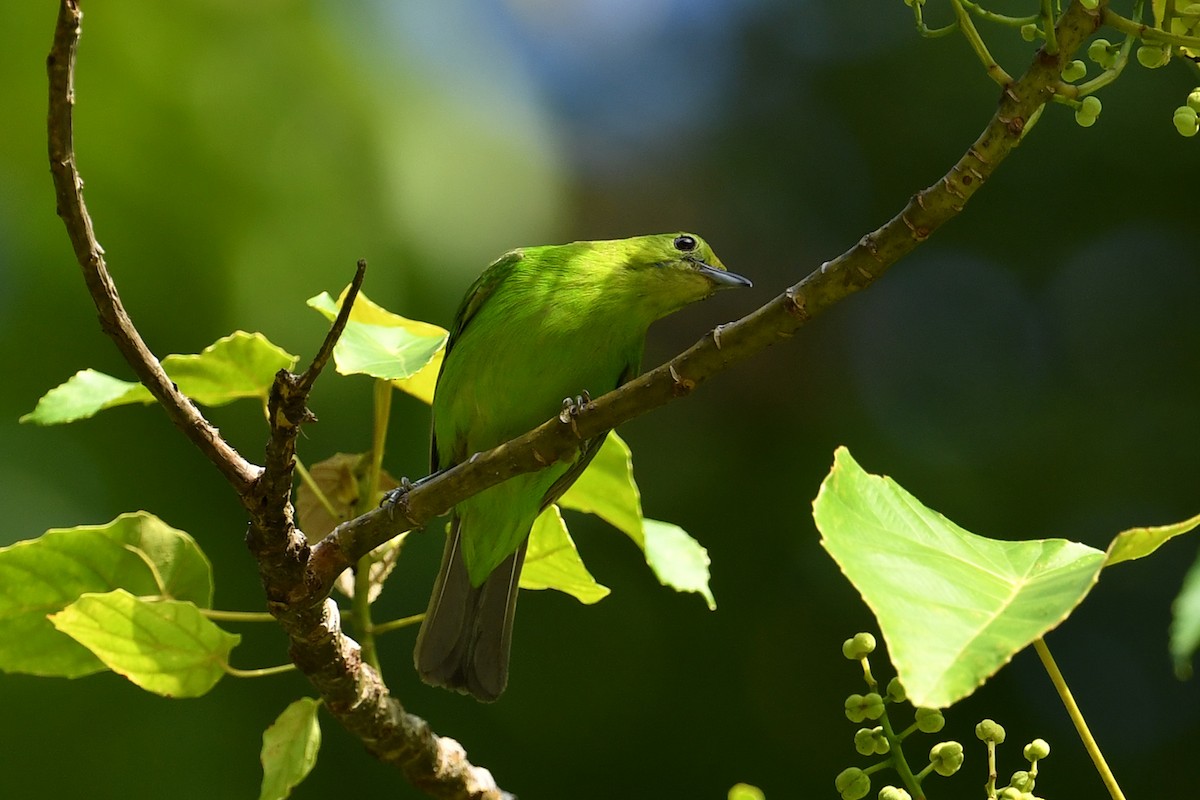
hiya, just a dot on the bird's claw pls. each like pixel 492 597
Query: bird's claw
pixel 393 497
pixel 573 407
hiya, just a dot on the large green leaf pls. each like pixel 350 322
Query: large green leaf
pixel 289 749
pixel 384 345
pixel 607 489
pixel 166 646
pixel 237 366
pixel 953 606
pixel 552 562
pixel 41 576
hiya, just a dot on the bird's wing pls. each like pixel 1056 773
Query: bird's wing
pixel 483 288
pixel 589 449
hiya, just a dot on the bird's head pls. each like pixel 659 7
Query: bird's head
pixel 670 270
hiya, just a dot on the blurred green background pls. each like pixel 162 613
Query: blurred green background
pixel 1031 371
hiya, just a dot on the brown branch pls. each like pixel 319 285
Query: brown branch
pixel 729 344
pixel 335 330
pixel 114 321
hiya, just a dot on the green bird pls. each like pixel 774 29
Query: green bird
pixel 539 325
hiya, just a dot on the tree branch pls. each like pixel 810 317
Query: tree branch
pixel 730 344
pixel 68 189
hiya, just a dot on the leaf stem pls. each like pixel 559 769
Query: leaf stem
pixel 1145 32
pixel 397 624
pixel 236 616
pixel 261 672
pixel 994 70
pixel 1003 19
pixel 307 479
pixel 1048 24
pixel 1089 743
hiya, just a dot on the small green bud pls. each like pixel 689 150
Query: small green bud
pixel 1193 100
pixel 863 644
pixel 1100 52
pixel 1152 56
pixel 893 793
pixel 990 731
pixel 1186 121
pixel 871 741
pixel 852 784
pixel 895 691
pixel 1029 32
pixel 860 707
pixel 1074 71
pixel 946 758
pixel 930 720
pixel 1090 5
pixel 1010 793
pixel 1036 750
pixel 1091 105
pixel 1021 781
pixel 744 791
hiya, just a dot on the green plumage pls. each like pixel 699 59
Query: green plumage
pixel 541 324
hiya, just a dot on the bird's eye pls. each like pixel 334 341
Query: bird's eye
pixel 685 244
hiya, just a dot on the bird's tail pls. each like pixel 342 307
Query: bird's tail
pixel 465 637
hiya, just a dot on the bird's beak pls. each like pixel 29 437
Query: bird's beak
pixel 724 279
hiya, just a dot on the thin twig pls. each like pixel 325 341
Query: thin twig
pixel 114 320
pixel 1089 742
pixel 335 330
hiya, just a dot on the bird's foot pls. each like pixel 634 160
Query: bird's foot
pixel 393 497
pixel 572 407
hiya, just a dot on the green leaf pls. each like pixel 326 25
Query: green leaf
pixel 240 365
pixel 607 489
pixel 289 749
pixel 41 576
pixel 167 647
pixel 677 559
pixel 552 562
pixel 84 394
pixel 384 345
pixel 953 606
pixel 237 366
pixel 1185 622
pixel 1140 542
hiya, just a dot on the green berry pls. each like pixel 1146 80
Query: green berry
pixel 1036 750
pixel 930 720
pixel 893 793
pixel 864 742
pixel 1091 105
pixel 895 691
pixel 852 784
pixel 990 731
pixel 860 707
pixel 1152 56
pixel 1074 71
pixel 1100 52
pixel 1193 100
pixel 946 758
pixel 1009 793
pixel 1186 121
pixel 863 644
pixel 1090 5
pixel 1021 781
pixel 1029 32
